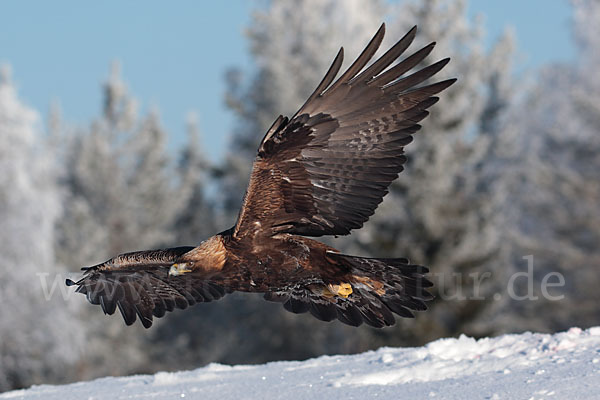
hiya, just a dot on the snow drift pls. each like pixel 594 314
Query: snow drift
pixel 527 366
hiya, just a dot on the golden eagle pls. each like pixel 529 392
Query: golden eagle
pixel 321 172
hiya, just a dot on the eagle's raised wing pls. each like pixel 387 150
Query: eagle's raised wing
pixel 139 285
pixel 325 171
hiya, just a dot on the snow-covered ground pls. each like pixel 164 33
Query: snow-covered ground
pixel 528 366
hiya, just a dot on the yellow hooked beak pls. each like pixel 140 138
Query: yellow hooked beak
pixel 179 269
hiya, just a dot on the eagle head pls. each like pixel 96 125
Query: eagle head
pixel 179 269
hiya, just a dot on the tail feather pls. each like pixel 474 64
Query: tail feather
pixel 349 314
pixel 325 311
pixel 381 287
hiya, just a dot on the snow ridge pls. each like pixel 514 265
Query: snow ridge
pixel 528 366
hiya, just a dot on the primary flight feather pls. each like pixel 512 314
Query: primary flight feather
pixel 321 172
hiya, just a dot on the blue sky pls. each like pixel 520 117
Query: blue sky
pixel 174 54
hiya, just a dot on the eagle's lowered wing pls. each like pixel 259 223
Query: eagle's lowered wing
pixel 139 285
pixel 325 171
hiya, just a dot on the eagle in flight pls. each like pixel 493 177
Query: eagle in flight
pixel 321 172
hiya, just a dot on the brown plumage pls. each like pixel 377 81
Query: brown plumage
pixel 322 172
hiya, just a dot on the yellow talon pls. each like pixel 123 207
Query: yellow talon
pixel 179 269
pixel 343 290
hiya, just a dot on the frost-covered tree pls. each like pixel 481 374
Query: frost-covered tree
pixel 38 337
pixel 197 220
pixel 121 186
pixel 546 181
pixel 122 193
pixel 440 212
pixel 242 329
pixel 188 339
pixel 293 43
